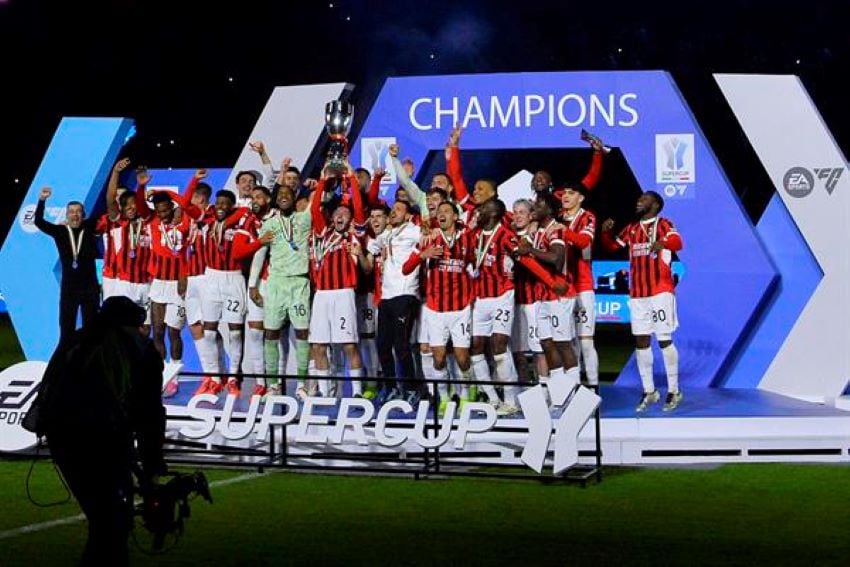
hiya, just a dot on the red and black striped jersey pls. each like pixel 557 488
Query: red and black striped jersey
pixel 649 270
pixel 196 261
pixel 525 282
pixel 493 267
pixel 170 244
pixel 544 239
pixel 218 244
pixel 334 267
pixel 448 286
pixel 579 233
pixel 110 260
pixel 132 242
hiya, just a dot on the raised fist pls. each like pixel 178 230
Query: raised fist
pixel 45 193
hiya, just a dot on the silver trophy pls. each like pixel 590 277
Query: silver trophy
pixel 338 118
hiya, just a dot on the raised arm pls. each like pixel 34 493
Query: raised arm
pixel 266 167
pixel 359 213
pixel 112 207
pixel 454 168
pixel 319 222
pixel 40 223
pixel 375 187
pixel 592 177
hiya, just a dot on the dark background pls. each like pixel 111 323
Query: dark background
pixel 198 74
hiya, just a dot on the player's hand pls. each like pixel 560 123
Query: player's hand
pixel 379 173
pixel 254 294
pixel 143 177
pixel 200 174
pixel 608 225
pixel 524 247
pixel 258 147
pixel 394 150
pixel 285 164
pixel 657 245
pixel 267 237
pixel 454 136
pixel 354 249
pixel 432 251
pixel 311 183
pixel 182 284
pixel 45 193
pixel 121 165
pixel 560 287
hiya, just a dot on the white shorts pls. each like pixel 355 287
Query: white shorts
pixel 555 319
pixel 493 315
pixel 255 312
pixel 165 292
pixel 108 287
pixel 194 298
pixel 420 330
pixel 656 314
pixel 367 314
pixel 585 314
pixel 139 293
pixel 224 297
pixel 524 338
pixel 334 317
pixel 441 326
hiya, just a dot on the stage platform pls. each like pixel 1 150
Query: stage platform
pixel 713 425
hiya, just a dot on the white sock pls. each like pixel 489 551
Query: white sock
pixel 482 372
pixel 671 364
pixel 209 354
pixel 442 387
pixel 573 376
pixel 235 349
pixel 427 364
pixel 591 361
pixel 644 364
pixel 356 384
pixel 322 379
pixel 466 375
pixel 506 373
pixel 254 351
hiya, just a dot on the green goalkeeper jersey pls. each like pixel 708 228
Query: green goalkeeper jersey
pixel 289 253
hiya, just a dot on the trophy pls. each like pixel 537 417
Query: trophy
pixel 590 138
pixel 338 117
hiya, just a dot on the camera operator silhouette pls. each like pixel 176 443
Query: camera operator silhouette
pixel 101 411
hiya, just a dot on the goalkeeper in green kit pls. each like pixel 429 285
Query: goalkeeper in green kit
pixel 287 293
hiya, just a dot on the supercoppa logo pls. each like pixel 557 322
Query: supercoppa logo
pixel 799 181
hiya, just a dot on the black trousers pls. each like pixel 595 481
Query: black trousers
pixel 100 477
pixel 70 300
pixel 395 323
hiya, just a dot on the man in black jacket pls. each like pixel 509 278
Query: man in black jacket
pixel 104 420
pixel 77 246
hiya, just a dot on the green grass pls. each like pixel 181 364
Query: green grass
pixel 735 514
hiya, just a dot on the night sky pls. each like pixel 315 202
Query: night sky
pixel 199 75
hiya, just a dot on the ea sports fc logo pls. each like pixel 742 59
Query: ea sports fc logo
pixel 798 182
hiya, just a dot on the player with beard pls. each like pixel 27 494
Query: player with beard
pixel 336 253
pixel 379 215
pixel 224 294
pixel 399 306
pixel 286 296
pixel 132 239
pixel 555 323
pixel 447 313
pixel 651 241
